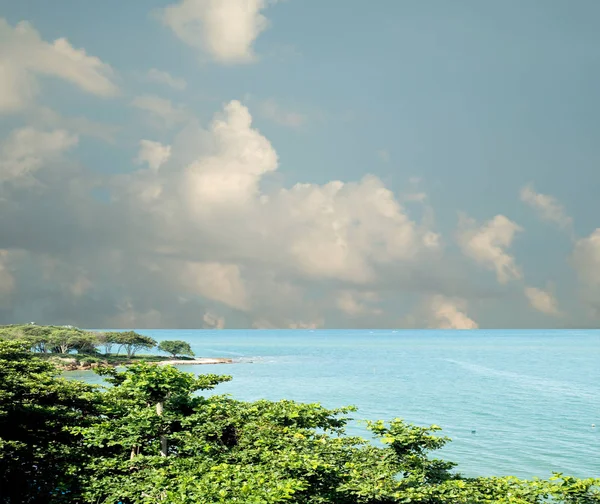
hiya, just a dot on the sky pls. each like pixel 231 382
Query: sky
pixel 300 163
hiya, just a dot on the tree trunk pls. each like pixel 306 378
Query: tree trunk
pixel 163 439
pixel 134 451
pixel 163 446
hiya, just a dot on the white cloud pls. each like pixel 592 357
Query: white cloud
pixel 345 230
pixel 216 281
pixel 205 230
pixel 542 300
pixel 449 313
pixel 355 303
pixel 161 109
pixel 212 321
pixel 154 154
pixel 210 210
pixel 547 207
pixel 230 172
pixel 24 55
pixel 225 30
pixel 271 110
pixel 487 245
pixel 162 77
pixel 27 149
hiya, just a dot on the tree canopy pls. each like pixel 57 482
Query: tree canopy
pixel 152 436
pixel 72 348
pixel 175 347
pixel 131 341
pixel 45 339
pixel 39 456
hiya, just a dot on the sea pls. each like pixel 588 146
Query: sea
pixel 521 403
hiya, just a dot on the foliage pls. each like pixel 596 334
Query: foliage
pixel 65 340
pixel 36 336
pixel 52 339
pixel 151 436
pixel 175 347
pixel 38 457
pixel 131 341
pixel 108 340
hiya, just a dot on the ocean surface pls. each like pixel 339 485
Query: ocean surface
pixel 514 402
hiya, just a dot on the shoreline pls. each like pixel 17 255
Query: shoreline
pixel 198 361
pixel 71 364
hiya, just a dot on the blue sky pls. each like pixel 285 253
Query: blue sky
pixel 123 202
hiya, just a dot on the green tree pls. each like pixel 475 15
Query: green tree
pixel 63 340
pixel 86 342
pixel 175 347
pixel 132 342
pixel 39 457
pixel 145 393
pixel 108 340
pixel 37 336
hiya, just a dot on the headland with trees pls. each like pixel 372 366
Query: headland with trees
pixel 71 348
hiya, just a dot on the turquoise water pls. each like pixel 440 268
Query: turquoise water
pixel 531 396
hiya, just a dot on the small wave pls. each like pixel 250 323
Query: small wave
pixel 250 360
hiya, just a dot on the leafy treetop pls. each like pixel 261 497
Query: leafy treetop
pixel 175 347
pixel 131 341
